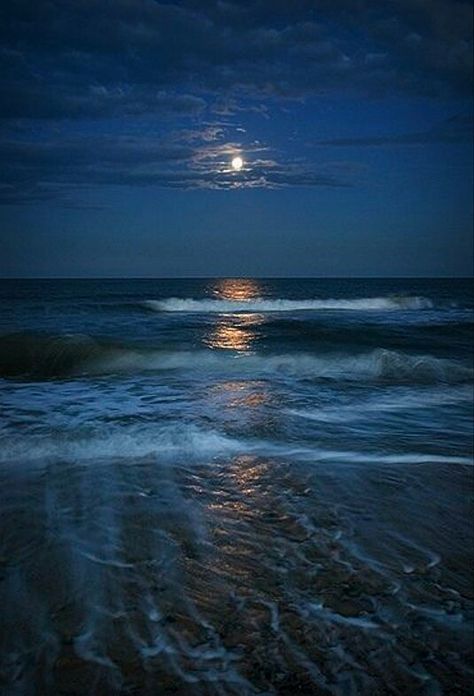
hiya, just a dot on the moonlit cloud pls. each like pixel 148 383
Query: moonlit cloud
pixel 37 171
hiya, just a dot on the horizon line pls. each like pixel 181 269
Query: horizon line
pixel 256 277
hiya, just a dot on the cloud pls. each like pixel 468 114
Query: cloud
pixel 37 171
pixel 86 58
pixel 163 81
pixel 457 129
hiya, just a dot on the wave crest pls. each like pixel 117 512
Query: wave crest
pixel 112 443
pixel 161 442
pixel 73 355
pixel 176 304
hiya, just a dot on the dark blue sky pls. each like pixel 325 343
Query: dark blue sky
pixel 119 120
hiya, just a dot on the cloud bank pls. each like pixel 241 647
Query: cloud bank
pixel 79 66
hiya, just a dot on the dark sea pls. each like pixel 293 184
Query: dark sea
pixel 216 487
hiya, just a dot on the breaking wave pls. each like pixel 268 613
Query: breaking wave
pixel 175 304
pixel 421 399
pixel 29 355
pixel 188 440
pixel 112 443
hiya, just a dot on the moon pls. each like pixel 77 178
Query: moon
pixel 237 163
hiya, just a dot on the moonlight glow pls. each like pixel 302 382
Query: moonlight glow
pixel 237 163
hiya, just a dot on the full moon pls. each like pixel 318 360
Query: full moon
pixel 237 163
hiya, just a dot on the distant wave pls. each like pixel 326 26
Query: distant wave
pixel 73 355
pixel 176 304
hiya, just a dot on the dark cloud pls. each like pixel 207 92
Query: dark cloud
pixel 76 58
pixel 457 129
pixel 191 67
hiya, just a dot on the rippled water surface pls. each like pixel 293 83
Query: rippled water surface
pixel 220 487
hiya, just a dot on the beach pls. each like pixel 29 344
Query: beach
pixel 236 486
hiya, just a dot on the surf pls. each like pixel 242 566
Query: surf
pixel 390 303
pixel 57 356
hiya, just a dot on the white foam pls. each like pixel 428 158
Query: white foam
pixel 115 443
pixel 391 403
pixel 334 617
pixel 188 440
pixel 176 304
pixel 350 457
pixel 406 458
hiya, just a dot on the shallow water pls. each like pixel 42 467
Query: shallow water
pixel 236 487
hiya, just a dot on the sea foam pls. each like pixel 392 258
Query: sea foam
pixel 113 443
pixel 175 304
pixel 176 440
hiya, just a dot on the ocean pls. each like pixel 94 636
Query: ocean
pixel 236 486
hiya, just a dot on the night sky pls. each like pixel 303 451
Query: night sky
pixel 120 119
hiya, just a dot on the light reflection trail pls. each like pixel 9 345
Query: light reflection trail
pixel 236 289
pixel 235 331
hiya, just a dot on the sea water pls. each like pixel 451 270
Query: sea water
pixel 236 486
